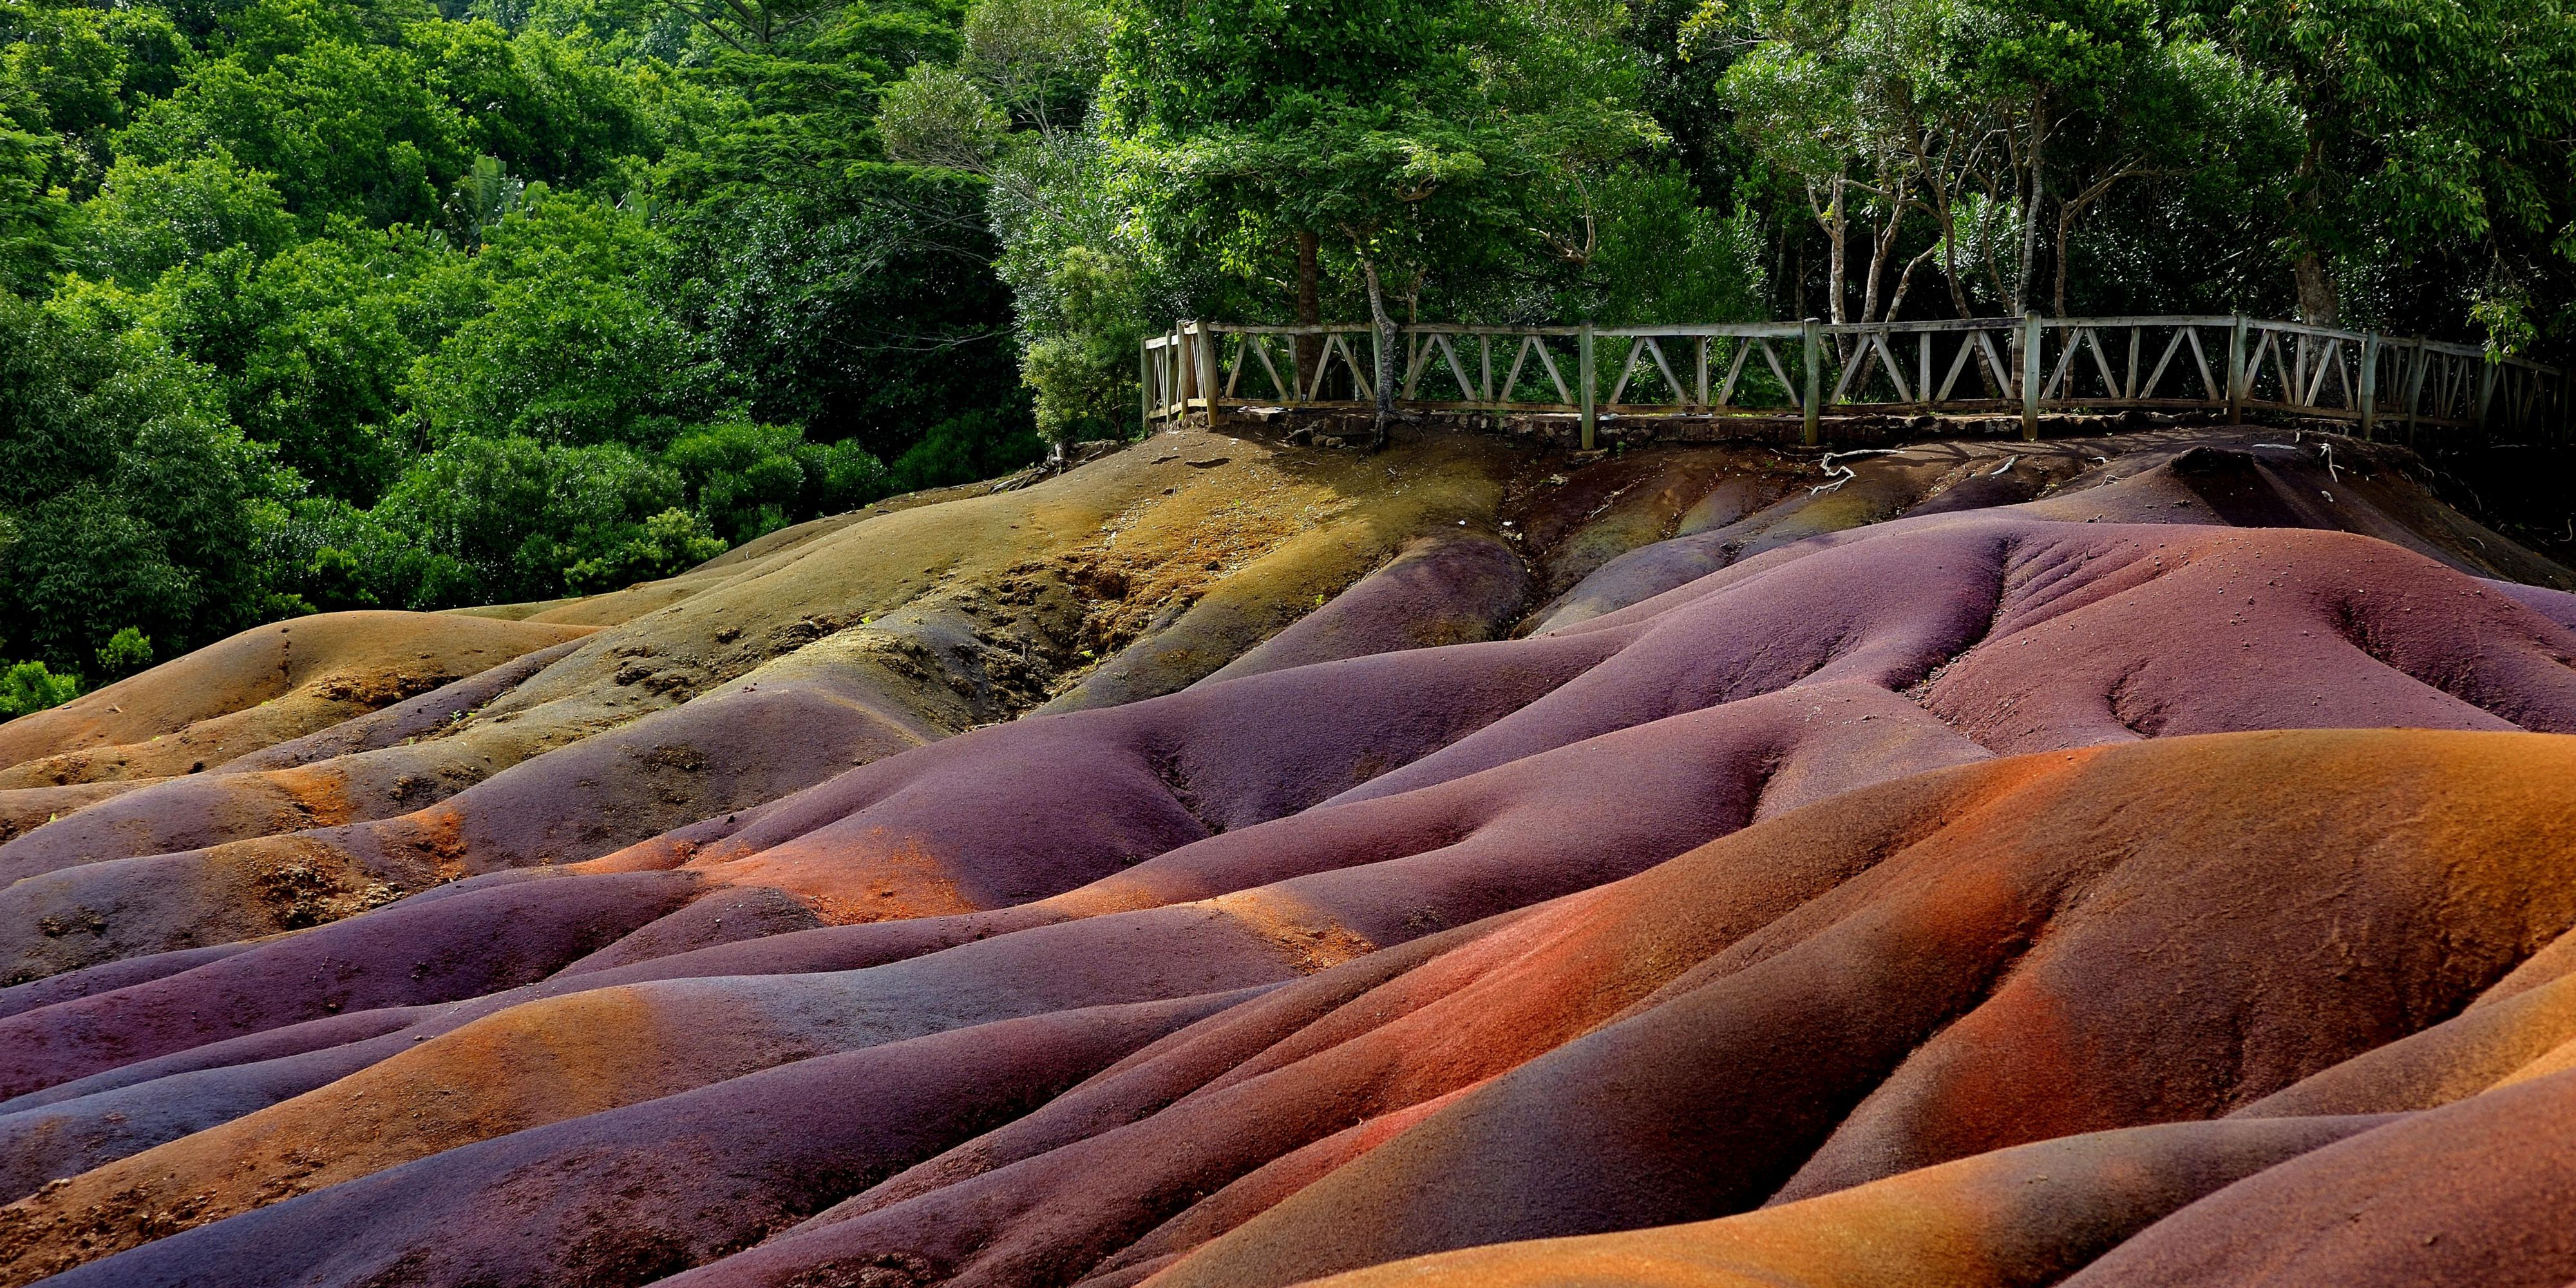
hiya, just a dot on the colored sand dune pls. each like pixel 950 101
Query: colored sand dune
pixel 2132 860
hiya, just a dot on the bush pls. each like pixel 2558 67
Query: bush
pixel 503 519
pixel 29 686
pixel 128 498
pixel 577 347
pixel 671 542
pixel 962 449
pixel 127 651
pixel 748 478
pixel 151 218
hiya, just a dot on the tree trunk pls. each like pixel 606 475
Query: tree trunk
pixel 1949 232
pixel 1882 248
pixel 1877 273
pixel 2032 191
pixel 2065 233
pixel 1836 226
pixel 1309 313
pixel 2317 303
pixel 1387 340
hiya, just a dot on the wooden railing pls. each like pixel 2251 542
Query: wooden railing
pixel 1811 370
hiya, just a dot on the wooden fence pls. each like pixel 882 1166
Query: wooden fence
pixel 1811 370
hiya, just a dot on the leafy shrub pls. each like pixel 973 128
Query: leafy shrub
pixel 29 686
pixel 961 449
pixel 748 478
pixel 670 542
pixel 127 651
pixel 151 218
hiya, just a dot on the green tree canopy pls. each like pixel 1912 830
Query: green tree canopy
pixel 125 496
pixel 2428 126
pixel 1425 139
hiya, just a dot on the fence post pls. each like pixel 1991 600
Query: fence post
pixel 2236 369
pixel 2415 389
pixel 1812 404
pixel 2369 382
pixel 1583 369
pixel 1209 385
pixel 2486 387
pixel 2030 376
pixel 1144 388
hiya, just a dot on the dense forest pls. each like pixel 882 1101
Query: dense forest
pixel 321 304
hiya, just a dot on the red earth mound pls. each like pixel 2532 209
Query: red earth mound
pixel 1831 886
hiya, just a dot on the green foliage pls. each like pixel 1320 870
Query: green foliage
pixel 669 542
pixel 979 444
pixel 1083 311
pixel 61 71
pixel 30 213
pixel 1970 136
pixel 2434 130
pixel 348 128
pixel 748 478
pixel 2116 156
pixel 940 116
pixel 1663 257
pixel 1429 139
pixel 537 104
pixel 1457 158
pixel 126 652
pixel 504 518
pixel 148 219
pixel 28 686
pixel 575 345
pixel 866 312
pixel 320 304
pixel 129 499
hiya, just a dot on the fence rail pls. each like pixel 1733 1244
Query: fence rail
pixel 1813 370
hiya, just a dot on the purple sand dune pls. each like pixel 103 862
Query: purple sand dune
pixel 2472 1193
pixel 2232 485
pixel 571 804
pixel 1026 810
pixel 1439 590
pixel 109 976
pixel 669 1183
pixel 856 997
pixel 403 955
pixel 2054 584
pixel 164 1100
pixel 249 1054
pixel 1444 856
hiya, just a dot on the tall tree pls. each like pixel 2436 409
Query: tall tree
pixel 1420 136
pixel 1993 121
pixel 2428 125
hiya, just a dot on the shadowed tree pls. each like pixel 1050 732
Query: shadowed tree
pixel 1422 137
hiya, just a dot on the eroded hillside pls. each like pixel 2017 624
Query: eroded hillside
pixel 1227 862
